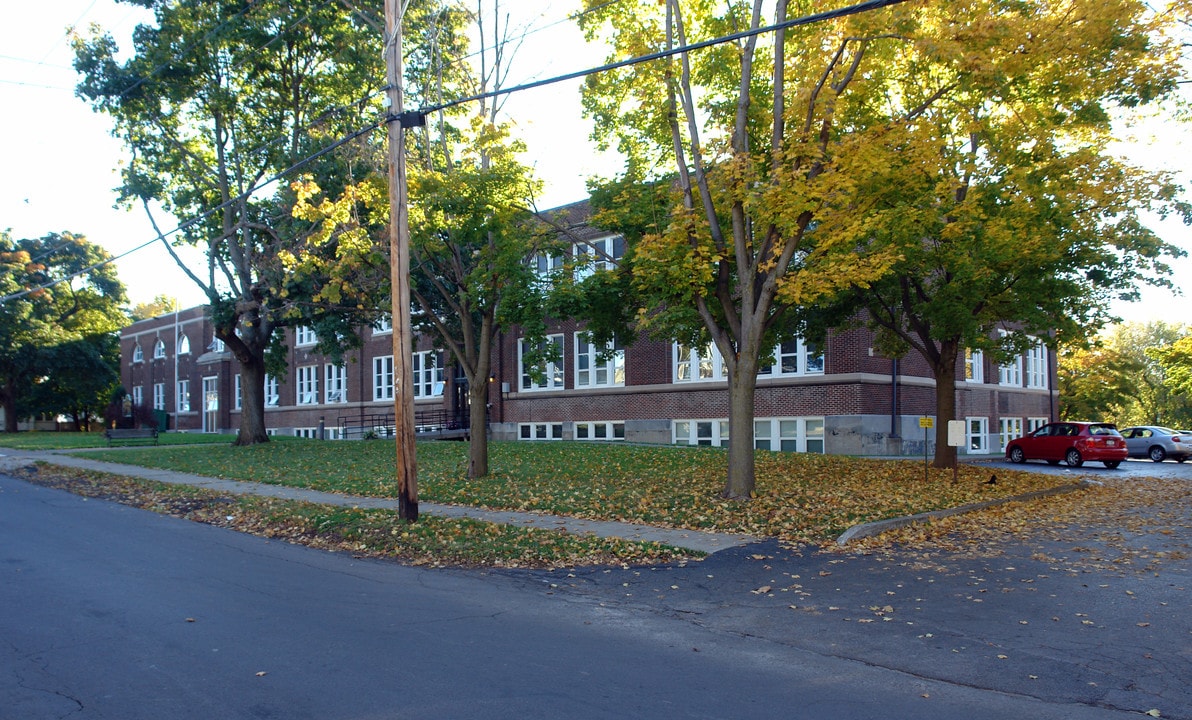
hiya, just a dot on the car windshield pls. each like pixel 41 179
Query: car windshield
pixel 1102 430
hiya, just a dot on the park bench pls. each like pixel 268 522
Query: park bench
pixel 130 435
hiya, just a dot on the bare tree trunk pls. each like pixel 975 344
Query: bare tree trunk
pixel 478 428
pixel 10 407
pixel 741 474
pixel 252 402
pixel 945 404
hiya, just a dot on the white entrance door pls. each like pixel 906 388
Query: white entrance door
pixel 210 404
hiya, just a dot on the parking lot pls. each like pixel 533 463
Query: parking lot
pixel 1095 470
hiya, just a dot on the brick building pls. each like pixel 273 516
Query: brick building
pixel 840 398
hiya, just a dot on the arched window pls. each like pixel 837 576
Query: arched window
pixel 137 354
pixel 159 349
pixel 183 344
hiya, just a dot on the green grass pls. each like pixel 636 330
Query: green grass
pixel 800 497
pixel 77 440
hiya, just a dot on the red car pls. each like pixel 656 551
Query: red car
pixel 1071 442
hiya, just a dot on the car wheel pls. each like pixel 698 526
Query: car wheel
pixel 1073 458
pixel 1112 464
pixel 1017 455
pixel 1158 454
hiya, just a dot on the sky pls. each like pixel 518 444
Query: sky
pixel 60 162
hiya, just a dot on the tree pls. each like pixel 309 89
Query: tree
pixel 217 99
pixel 1095 383
pixel 78 378
pixel 1175 360
pixel 159 305
pixel 58 290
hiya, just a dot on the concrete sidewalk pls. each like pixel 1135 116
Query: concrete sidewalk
pixel 695 540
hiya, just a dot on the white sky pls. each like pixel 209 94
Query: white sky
pixel 61 163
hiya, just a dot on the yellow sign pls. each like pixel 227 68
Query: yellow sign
pixel 926 422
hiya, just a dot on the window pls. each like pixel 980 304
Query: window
pixel 540 431
pixel 304 335
pixel 591 371
pixel 544 265
pixel 384 324
pixel 1011 372
pixel 550 371
pixel 137 354
pixel 217 345
pixel 599 254
pixel 789 434
pixel 183 344
pixel 184 395
pixel 308 385
pixel 698 364
pixel 428 374
pixel 237 396
pixel 159 395
pixel 600 431
pixel 335 388
pixel 272 391
pixel 1035 360
pixel 138 396
pixel 974 366
pixel 329 433
pixel 1034 423
pixel 383 378
pixel 159 349
pixel 795 357
pixel 977 430
pixel 1010 428
pixel 700 432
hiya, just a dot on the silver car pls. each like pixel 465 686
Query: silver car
pixel 1158 443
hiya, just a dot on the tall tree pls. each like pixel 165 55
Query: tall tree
pixel 57 289
pixel 217 98
pixel 77 378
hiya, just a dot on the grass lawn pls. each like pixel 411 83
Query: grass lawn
pixel 74 440
pixel 800 497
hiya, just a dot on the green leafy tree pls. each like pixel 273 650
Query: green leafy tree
pixel 1096 383
pixel 78 379
pixel 156 307
pixel 1175 361
pixel 58 291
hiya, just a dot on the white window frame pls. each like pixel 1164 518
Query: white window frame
pixel 428 374
pixel 1034 423
pixel 599 431
pixel 1011 428
pixel 307 385
pixel 159 396
pixel 183 402
pixel 552 370
pixel 138 396
pixel 703 431
pixel 794 358
pixel 217 345
pixel 974 365
pixel 159 349
pixel 383 325
pixel 590 371
pixel 1035 360
pixel 1010 374
pixel 599 250
pixel 138 355
pixel 335 387
pixel 272 391
pixel 304 336
pixel 382 378
pixel 696 365
pixel 976 430
pixel 789 434
pixel 237 393
pixel 530 432
pixel 545 265
pixel 183 344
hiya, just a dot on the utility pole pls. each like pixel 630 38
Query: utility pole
pixel 399 268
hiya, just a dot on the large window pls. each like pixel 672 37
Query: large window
pixel 1010 428
pixel 304 335
pixel 159 396
pixel 540 431
pixel 428 374
pixel 545 265
pixel 702 364
pixel 183 344
pixel 138 355
pixel 1011 372
pixel 383 378
pixel 599 254
pixel 700 432
pixel 308 385
pixel 974 366
pixel 794 434
pixel 138 396
pixel 384 324
pixel 272 391
pixel 599 431
pixel 184 395
pixel 159 349
pixel 550 372
pixel 977 431
pixel 795 357
pixel 237 393
pixel 335 388
pixel 1035 360
pixel 591 370
pixel 1034 423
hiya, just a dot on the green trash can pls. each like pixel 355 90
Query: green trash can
pixel 162 420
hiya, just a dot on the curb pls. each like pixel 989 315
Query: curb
pixel 877 527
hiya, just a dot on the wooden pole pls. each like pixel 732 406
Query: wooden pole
pixel 399 261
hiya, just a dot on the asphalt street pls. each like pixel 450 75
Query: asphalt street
pixel 113 612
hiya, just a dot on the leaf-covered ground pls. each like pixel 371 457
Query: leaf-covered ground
pixel 363 532
pixel 800 498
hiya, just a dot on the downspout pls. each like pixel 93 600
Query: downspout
pixel 894 399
